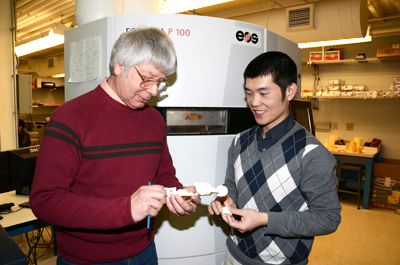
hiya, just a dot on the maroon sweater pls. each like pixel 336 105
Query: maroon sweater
pixel 94 155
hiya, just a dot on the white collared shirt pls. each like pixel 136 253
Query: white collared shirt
pixel 109 90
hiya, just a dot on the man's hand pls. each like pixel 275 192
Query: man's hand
pixel 147 200
pixel 249 220
pixel 216 206
pixel 181 206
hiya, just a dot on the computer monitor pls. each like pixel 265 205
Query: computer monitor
pixel 302 113
pixel 4 172
pixel 22 164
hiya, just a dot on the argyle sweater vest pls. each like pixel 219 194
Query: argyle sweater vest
pixel 271 181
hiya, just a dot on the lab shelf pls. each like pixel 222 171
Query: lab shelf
pixel 384 98
pixel 354 61
pixel 46 105
pixel 314 68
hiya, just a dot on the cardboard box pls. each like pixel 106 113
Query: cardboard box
pixel 334 54
pixel 390 161
pixel 317 56
pixel 388 50
pixel 305 93
pixel 386 185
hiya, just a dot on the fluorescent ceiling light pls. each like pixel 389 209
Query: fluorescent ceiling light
pixel 40 44
pixel 333 42
pixel 305 45
pixel 58 75
pixel 176 6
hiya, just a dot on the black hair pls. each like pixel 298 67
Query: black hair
pixel 278 64
pixel 21 123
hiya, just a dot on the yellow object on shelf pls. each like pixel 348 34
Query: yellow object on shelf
pixel 347 146
pixel 359 141
pixel 333 139
pixel 359 149
pixel 353 146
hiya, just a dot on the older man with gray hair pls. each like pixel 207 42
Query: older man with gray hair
pixel 100 152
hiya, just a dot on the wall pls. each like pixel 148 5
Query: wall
pixel 8 125
pixel 371 118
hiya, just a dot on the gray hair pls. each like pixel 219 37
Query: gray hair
pixel 144 45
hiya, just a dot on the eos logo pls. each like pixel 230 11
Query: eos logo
pixel 247 37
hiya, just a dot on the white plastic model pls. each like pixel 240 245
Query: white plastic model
pixel 205 189
pixel 202 188
pixel 225 211
pixel 181 192
pixel 222 191
pixel 170 191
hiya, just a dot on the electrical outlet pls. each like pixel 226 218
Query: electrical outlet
pixel 349 126
pixel 335 126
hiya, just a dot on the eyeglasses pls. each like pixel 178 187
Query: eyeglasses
pixel 148 83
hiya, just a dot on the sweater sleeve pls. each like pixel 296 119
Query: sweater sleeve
pixel 166 174
pixel 230 173
pixel 318 184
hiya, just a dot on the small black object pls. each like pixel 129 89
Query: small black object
pixel 360 56
pixel 25 204
pixel 6 206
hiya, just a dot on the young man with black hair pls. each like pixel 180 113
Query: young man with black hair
pixel 281 179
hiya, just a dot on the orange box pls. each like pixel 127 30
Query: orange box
pixel 390 161
pixel 316 56
pixel 334 54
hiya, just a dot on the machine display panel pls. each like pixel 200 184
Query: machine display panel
pixel 195 121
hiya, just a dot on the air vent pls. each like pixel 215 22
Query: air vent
pixel 50 62
pixel 300 18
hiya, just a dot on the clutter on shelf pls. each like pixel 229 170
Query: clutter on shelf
pixel 355 146
pixel 336 88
